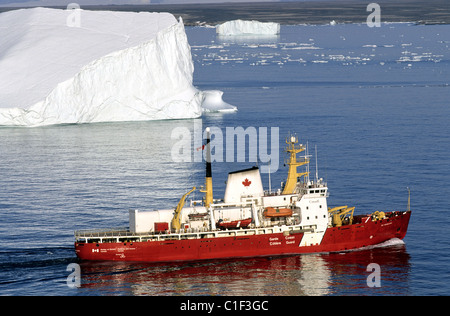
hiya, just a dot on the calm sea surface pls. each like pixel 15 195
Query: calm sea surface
pixel 375 102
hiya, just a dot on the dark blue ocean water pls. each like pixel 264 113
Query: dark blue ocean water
pixel 375 102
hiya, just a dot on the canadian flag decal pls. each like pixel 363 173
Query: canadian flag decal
pixel 246 183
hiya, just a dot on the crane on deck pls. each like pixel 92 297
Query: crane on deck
pixel 176 220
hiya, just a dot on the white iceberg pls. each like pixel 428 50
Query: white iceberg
pixel 213 102
pixel 242 27
pixel 112 66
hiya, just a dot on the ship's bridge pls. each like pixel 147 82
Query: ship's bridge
pixel 318 187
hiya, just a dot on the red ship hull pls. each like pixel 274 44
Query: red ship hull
pixel 364 232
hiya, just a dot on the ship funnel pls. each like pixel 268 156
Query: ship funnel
pixel 208 180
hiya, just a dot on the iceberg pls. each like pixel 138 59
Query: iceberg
pixel 242 27
pixel 111 66
pixel 213 102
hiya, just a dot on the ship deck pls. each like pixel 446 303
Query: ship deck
pixel 124 235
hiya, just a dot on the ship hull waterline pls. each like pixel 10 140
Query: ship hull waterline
pixel 368 232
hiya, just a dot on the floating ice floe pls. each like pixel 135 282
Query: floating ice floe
pixel 213 102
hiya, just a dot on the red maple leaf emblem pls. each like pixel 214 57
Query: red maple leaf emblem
pixel 246 183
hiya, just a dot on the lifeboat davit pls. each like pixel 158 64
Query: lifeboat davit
pixel 277 212
pixel 234 224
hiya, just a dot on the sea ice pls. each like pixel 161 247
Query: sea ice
pixel 241 27
pixel 113 66
pixel 213 102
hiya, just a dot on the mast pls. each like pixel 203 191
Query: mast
pixel 307 156
pixel 317 168
pixel 292 148
pixel 270 183
pixel 408 207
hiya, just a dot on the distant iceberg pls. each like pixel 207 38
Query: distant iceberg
pixel 113 66
pixel 241 27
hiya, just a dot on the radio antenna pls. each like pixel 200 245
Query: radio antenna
pixel 408 207
pixel 317 168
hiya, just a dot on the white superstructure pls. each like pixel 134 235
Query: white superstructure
pixel 245 199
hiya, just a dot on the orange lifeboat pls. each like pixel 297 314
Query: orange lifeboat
pixel 234 224
pixel 277 212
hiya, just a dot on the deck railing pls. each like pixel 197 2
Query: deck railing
pixel 122 234
pixel 104 232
